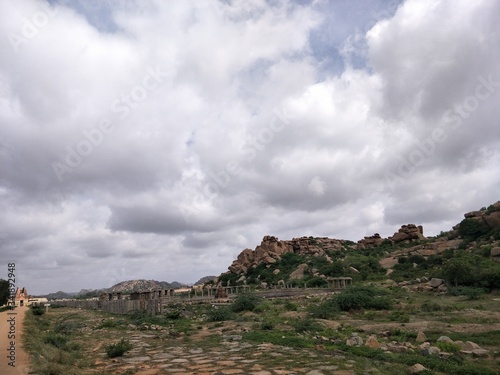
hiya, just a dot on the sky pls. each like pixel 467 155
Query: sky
pixel 158 139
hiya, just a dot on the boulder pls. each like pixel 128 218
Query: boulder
pixel 354 340
pixel 408 232
pixel 370 241
pixel 470 346
pixel 372 342
pixel 395 348
pixel 495 251
pixel 480 353
pixel 298 274
pixel 431 350
pixel 445 339
pixel 416 369
pixel 436 282
pixel 421 338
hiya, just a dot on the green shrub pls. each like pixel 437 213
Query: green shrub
pixel 67 324
pixel 448 347
pixel 362 297
pixel 56 339
pixel 267 325
pixel 118 349
pixel 109 323
pixel 353 300
pixel 399 316
pixel 245 302
pixel 220 314
pixel 290 306
pixel 473 229
pixel 470 292
pixel 429 306
pixel 326 310
pixel 37 310
pixel 316 282
pixel 380 303
pixel 306 324
pixel 173 315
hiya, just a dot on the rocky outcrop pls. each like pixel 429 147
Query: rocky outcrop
pixel 409 232
pixel 370 241
pixel 489 216
pixel 298 274
pixel 271 250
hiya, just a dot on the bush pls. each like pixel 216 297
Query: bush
pixel 470 292
pixel 173 315
pixel 380 303
pixel 109 323
pixel 429 306
pixel 245 302
pixel 399 316
pixel 290 306
pixel 220 314
pixel 56 339
pixel 326 310
pixel 267 325
pixel 118 349
pixel 66 324
pixel 37 310
pixel 448 347
pixel 306 324
pixel 362 297
pixel 316 282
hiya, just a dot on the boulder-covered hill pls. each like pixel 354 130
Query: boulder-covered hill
pixel 122 287
pixel 142 285
pixel 313 260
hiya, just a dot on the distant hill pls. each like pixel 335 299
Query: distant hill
pixel 122 287
pixel 142 285
pixel 60 295
pixel 205 279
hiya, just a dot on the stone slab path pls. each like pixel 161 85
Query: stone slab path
pixel 232 356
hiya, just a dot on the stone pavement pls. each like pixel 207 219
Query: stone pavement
pixel 232 356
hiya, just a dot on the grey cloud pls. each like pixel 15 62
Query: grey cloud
pixel 145 200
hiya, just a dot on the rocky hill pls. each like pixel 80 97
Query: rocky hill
pixel 142 285
pixel 123 287
pixel 204 280
pixel 313 260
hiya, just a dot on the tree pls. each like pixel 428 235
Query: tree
pixel 459 270
pixel 4 292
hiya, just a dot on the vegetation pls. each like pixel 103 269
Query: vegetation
pixel 118 349
pixel 4 292
pixel 245 302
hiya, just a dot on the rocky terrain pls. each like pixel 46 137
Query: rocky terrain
pixel 317 257
pixel 123 287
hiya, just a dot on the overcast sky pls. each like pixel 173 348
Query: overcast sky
pixel 158 139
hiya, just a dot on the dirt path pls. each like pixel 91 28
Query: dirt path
pixel 21 359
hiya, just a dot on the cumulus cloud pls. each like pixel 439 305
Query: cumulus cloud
pixel 154 140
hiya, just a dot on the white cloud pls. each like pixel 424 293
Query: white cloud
pixel 247 128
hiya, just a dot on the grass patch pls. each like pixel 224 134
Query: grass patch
pixel 278 337
pixel 118 349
